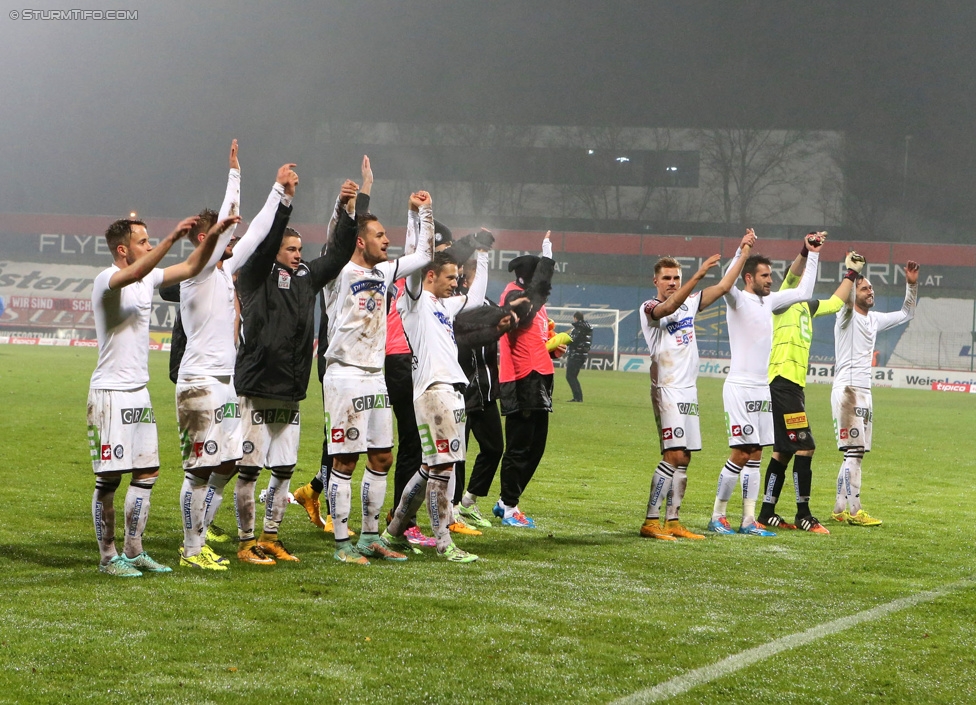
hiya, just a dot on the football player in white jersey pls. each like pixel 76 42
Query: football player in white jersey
pixel 668 325
pixel 121 422
pixel 358 417
pixel 855 332
pixel 207 408
pixel 428 309
pixel 745 395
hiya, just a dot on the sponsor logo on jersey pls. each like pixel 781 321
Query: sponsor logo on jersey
pixel 683 307
pixel 248 447
pixel 455 445
pixel 855 433
pixel 210 447
pixel 118 451
pixel 144 415
pixel 791 435
pixel 667 433
pixel 737 430
pixel 442 445
pixel 352 434
pixel 377 285
pixel 301 272
pixel 106 452
pixel 459 416
pixel 681 324
pixel 284 279
pixel 796 420
pixel 372 401
pixel 862 412
pixel 843 434
pixel 687 408
pixel 758 406
pixel 230 410
pixel 260 417
pixel 198 449
pixel 338 435
pixel 747 430
pixel 679 432
pixel 445 321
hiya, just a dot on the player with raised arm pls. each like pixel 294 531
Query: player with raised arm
pixel 745 395
pixel 668 324
pixel 207 407
pixel 428 309
pixel 121 422
pixel 358 416
pixel 855 332
pixel 788 361
pixel 525 372
pixel 277 291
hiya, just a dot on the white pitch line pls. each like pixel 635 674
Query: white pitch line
pixel 692 679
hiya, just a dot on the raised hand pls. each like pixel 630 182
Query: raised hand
pixel 749 239
pixel 234 163
pixel 712 261
pixel 184 227
pixel 348 191
pixel 854 261
pixel 367 172
pixel 284 174
pixel 911 272
pixel 222 226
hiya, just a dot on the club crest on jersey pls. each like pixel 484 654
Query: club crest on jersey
pixel 758 406
pixel 747 430
pixel 679 432
pixel 352 434
pixel 455 445
pixel 687 408
pixel 284 279
pixel 248 447
pixel 144 415
pixel 855 433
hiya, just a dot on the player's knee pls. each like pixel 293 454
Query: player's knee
pixel 247 473
pixel 283 472
pixel 145 483
pixel 108 483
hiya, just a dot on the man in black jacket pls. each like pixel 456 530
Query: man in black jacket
pixel 577 352
pixel 277 292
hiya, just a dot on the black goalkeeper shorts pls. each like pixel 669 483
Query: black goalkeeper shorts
pixel 791 428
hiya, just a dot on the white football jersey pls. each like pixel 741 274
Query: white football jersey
pixel 429 326
pixel 671 341
pixel 356 304
pixel 207 300
pixel 122 326
pixel 750 322
pixel 855 335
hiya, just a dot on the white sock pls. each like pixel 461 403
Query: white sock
pixel 468 499
pixel 340 500
pixel 413 496
pixel 678 485
pixel 660 487
pixel 276 500
pixel 103 514
pixel 192 495
pixel 136 514
pixel 751 479
pixel 852 478
pixel 727 480
pixel 244 505
pixel 439 507
pixel 215 495
pixel 373 491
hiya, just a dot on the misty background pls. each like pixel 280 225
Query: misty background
pixel 103 117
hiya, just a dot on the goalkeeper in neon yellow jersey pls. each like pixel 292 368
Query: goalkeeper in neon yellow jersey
pixel 792 337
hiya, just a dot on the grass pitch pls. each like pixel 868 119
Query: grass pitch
pixel 581 609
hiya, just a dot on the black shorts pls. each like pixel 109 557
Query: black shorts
pixel 791 428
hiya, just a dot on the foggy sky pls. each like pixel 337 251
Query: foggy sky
pixel 100 117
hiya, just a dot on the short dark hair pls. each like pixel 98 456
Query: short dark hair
pixel 291 232
pixel 752 264
pixel 438 262
pixel 118 233
pixel 363 221
pixel 666 263
pixel 578 316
